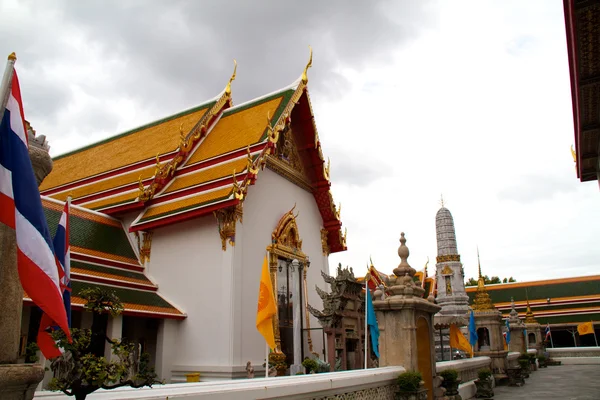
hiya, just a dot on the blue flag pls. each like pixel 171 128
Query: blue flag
pixel 507 332
pixel 472 331
pixel 372 322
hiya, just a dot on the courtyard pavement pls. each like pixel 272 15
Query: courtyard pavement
pixel 564 382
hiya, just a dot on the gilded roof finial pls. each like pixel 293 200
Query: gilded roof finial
pixel 228 87
pixel 479 263
pixel 529 318
pixel 371 260
pixel 574 154
pixel 12 56
pixel 482 301
pixel 304 73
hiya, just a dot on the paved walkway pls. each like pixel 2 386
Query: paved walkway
pixel 564 382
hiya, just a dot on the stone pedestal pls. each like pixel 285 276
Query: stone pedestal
pixel 494 347
pixel 17 381
pixel 517 339
pixel 405 322
pixel 538 345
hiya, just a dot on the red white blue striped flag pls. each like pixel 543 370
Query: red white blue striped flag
pixel 21 209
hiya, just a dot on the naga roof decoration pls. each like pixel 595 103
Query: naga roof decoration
pixel 102 255
pixel 206 169
pixel 554 301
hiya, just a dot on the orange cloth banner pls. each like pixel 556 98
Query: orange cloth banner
pixel 266 307
pixel 587 328
pixel 459 341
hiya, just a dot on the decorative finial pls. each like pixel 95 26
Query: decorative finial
pixel 403 268
pixel 304 75
pixel 427 263
pixel 228 87
pixel 442 200
pixel 371 260
pixel 574 154
pixel 479 262
pixel 12 56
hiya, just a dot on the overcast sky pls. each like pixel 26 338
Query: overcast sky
pixel 413 99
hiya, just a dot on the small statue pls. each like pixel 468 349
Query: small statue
pixel 249 370
pixel 272 371
pixel 382 288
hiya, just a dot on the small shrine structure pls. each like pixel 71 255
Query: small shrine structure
pixel 517 328
pixel 488 322
pixel 534 331
pixel 343 319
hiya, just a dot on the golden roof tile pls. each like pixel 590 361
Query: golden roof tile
pixel 188 202
pixel 236 129
pixel 107 184
pixel 130 147
pixel 109 201
pixel 208 174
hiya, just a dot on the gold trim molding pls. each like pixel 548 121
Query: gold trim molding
pixel 285 170
pixel 324 242
pixel 226 220
pixel 448 257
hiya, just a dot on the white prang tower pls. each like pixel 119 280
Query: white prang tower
pixel 451 295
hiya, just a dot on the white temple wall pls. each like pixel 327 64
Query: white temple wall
pixel 186 261
pixel 267 201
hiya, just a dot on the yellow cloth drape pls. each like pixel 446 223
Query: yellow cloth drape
pixel 587 328
pixel 459 341
pixel 266 307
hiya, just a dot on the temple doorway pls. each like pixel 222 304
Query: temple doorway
pixel 483 339
pixel 289 307
pixel 424 359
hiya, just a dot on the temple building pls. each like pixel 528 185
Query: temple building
pixel 561 304
pixel 176 217
pixel 582 23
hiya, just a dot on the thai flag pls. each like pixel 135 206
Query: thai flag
pixel 21 209
pixel 547 331
pixel 63 254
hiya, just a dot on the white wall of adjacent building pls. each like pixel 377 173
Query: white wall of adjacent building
pixel 218 289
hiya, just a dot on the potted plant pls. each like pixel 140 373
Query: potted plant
pixel 524 364
pixel 310 365
pixel 542 361
pixel 533 365
pixel 410 386
pixel 450 381
pixel 484 383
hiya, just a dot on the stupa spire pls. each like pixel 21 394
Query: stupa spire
pixel 529 317
pixel 482 301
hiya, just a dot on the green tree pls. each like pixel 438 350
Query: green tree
pixel 488 281
pixel 82 369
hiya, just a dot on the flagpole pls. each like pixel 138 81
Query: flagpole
pixel 551 341
pixel 266 344
pixel 366 317
pixel 593 330
pixel 6 81
pixel 266 359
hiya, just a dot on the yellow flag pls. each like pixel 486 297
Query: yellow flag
pixel 504 341
pixel 266 307
pixel 458 340
pixel 587 328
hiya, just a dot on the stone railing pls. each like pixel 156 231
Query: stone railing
pixel 574 352
pixel 375 384
pixel 513 359
pixel 467 368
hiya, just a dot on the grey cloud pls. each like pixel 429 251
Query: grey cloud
pixel 356 169
pixel 186 48
pixel 534 187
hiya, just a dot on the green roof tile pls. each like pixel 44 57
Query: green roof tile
pixel 93 235
pixel 108 270
pixel 125 295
